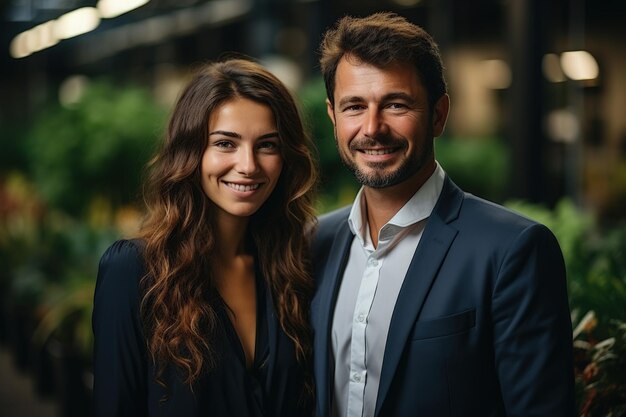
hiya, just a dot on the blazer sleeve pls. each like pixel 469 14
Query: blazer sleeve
pixel 120 374
pixel 532 328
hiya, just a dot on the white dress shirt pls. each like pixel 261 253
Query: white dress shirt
pixel 364 308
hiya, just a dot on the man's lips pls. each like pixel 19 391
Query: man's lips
pixel 380 151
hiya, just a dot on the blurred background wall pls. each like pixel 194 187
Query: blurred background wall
pixel 537 122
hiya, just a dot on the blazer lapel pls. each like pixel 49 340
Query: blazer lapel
pixel 327 294
pixel 430 253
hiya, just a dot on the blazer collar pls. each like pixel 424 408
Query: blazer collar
pixel 431 251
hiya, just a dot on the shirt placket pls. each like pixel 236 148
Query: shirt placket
pixel 358 364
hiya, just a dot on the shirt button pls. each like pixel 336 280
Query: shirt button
pixel 356 377
pixel 374 262
pixel 361 318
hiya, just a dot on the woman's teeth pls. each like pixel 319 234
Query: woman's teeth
pixel 241 187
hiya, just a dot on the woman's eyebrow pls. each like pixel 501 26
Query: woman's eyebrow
pixel 238 136
pixel 226 133
pixel 269 135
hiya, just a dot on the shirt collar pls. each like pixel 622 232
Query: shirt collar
pixel 418 208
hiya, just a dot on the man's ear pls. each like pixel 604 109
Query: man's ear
pixel 330 110
pixel 440 114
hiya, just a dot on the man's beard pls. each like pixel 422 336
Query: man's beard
pixel 376 176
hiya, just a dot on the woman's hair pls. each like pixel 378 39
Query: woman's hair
pixel 178 308
pixel 379 40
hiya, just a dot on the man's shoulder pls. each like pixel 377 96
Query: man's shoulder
pixel 495 222
pixel 333 218
pixel 327 227
pixel 467 210
pixel 479 209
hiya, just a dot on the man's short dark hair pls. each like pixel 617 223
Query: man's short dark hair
pixel 379 40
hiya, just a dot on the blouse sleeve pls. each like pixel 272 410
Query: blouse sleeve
pixel 120 374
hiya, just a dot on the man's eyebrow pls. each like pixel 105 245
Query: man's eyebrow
pixel 399 96
pixel 387 97
pixel 350 99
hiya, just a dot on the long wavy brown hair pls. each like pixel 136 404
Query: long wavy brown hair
pixel 178 309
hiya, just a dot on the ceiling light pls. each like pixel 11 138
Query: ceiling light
pixel 579 65
pixel 113 8
pixel 19 46
pixel 76 22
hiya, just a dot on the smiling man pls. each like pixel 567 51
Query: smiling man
pixel 430 301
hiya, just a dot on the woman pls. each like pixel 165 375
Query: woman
pixel 206 313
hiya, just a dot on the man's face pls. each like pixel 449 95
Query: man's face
pixel 383 125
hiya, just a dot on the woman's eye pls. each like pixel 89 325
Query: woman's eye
pixel 223 144
pixel 269 146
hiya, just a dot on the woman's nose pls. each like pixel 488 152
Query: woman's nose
pixel 246 161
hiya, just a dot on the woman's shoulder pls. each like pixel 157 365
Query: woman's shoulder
pixel 122 262
pixel 123 251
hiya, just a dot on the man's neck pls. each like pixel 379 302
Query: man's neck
pixel 381 204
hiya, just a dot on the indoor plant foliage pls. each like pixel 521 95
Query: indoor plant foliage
pixel 600 369
pixel 97 148
pixel 81 177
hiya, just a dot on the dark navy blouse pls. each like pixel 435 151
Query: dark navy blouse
pixel 124 379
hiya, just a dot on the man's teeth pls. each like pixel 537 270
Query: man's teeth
pixel 378 151
pixel 241 187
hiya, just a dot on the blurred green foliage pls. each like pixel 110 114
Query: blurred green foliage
pixel 66 305
pixel 12 148
pixel 49 263
pixel 600 369
pixel 96 148
pixel 65 198
pixel 478 165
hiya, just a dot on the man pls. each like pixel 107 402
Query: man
pixel 430 301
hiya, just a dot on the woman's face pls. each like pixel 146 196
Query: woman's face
pixel 243 160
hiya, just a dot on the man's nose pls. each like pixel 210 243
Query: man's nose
pixel 374 123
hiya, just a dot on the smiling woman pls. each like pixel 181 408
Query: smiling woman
pixel 242 162
pixel 207 310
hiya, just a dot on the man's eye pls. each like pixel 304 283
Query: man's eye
pixel 353 107
pixel 397 106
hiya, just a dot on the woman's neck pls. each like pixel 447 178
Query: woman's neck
pixel 231 237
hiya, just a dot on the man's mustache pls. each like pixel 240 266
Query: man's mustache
pixel 382 140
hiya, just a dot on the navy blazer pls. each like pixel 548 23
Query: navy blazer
pixel 481 326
